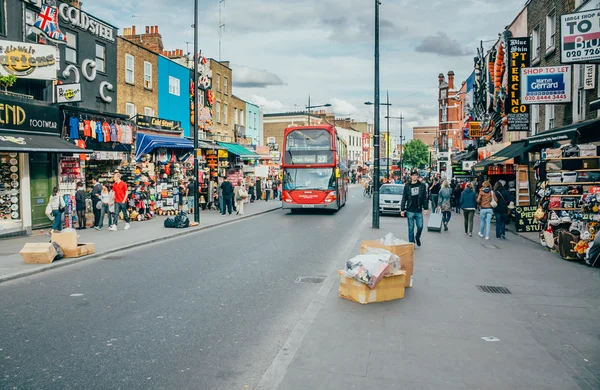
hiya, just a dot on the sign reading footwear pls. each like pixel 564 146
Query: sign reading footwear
pixel 25 116
pixel 28 60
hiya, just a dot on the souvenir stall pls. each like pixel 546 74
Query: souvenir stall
pixel 214 165
pixel 10 191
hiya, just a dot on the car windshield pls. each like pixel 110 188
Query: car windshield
pixel 308 179
pixel 391 190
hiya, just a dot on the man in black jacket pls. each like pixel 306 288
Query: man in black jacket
pixel 227 191
pixel 414 204
pixel 96 198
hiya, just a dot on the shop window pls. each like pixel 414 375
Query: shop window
pixel 236 117
pixel 218 111
pixel 535 43
pixel 130 109
pixel 71 47
pixel 148 111
pixel 100 58
pixel 129 69
pixel 30 18
pixel 241 118
pixel 10 178
pixel 225 86
pixel 550 117
pixel 2 18
pixel 550 30
pixel 225 112
pixel 174 86
pixel 147 75
pixel 218 82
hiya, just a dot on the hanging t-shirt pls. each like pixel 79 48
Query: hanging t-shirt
pixel 119 133
pixel 114 134
pixel 73 128
pixel 87 131
pixel 81 128
pixel 106 131
pixel 98 131
pixel 128 136
pixel 93 127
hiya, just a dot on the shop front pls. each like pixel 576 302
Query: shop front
pixel 30 150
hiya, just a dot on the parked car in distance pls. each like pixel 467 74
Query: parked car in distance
pixel 390 198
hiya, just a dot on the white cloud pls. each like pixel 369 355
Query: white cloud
pixel 247 77
pixel 267 105
pixel 342 107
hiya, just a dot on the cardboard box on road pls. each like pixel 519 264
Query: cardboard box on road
pixel 80 250
pixel 391 287
pixel 66 240
pixel 38 253
pixel 406 253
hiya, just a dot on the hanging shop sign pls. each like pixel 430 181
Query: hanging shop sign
pixel 68 93
pixel 518 57
pixel 150 122
pixel 589 77
pixel 28 60
pixel 546 85
pixel 525 219
pixel 474 129
pixel 77 18
pixel 580 37
pixel 24 116
pixel 223 153
pixel 105 156
pixel 467 165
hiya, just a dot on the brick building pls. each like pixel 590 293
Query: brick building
pixel 427 134
pixel 137 78
pixel 223 107
pixel 150 39
pixel 450 126
pixel 237 121
pixel 274 125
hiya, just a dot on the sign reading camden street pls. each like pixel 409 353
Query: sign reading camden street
pixel 518 57
pixel 525 220
pixel 77 18
pixel 546 85
pixel 25 116
pixel 150 122
pixel 28 60
pixel 580 37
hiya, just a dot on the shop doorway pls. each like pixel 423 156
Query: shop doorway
pixel 42 173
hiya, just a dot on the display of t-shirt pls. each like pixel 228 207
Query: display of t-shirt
pixel 73 128
pixel 114 134
pixel 119 133
pixel 87 131
pixel 81 129
pixel 106 131
pixel 93 127
pixel 98 131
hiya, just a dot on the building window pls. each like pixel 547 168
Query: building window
pixel 241 118
pixel 129 63
pixel 550 118
pixel 174 86
pixel 225 112
pixel 130 109
pixel 218 82
pixel 71 48
pixel 100 58
pixel 254 118
pixel 218 111
pixel 550 30
pixel 225 85
pixel 148 111
pixel 235 117
pixel 30 18
pixel 147 75
pixel 535 42
pixel 2 18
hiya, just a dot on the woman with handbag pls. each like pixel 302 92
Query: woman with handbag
pixel 487 203
pixel 445 203
pixel 107 202
pixel 240 195
pixel 56 206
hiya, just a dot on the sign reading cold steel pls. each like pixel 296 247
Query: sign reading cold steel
pixel 517 112
pixel 28 116
pixel 525 221
pixel 68 93
pixel 77 18
pixel 28 60
pixel 546 85
pixel 150 122
pixel 580 37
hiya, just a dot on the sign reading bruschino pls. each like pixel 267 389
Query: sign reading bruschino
pixel 28 60
pixel 580 37
pixel 546 85
pixel 525 221
pixel 518 57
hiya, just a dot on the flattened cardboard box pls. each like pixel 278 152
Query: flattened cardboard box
pixel 406 253
pixel 38 253
pixel 81 250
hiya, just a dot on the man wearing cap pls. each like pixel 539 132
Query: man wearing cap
pixel 414 204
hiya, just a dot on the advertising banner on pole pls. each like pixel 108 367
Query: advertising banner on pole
pixel 518 57
pixel 580 37
pixel 546 84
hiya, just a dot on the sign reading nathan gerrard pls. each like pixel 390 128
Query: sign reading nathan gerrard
pixel 546 85
pixel 518 57
pixel 28 60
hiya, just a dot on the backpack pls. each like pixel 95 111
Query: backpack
pixel 170 222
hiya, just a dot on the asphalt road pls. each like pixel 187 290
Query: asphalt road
pixel 207 311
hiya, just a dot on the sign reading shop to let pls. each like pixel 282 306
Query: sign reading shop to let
pixel 150 122
pixel 580 37
pixel 518 57
pixel 546 85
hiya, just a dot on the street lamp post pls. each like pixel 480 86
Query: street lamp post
pixel 376 123
pixel 196 92
pixel 309 107
pixel 387 143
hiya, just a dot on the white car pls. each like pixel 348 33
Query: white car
pixel 390 198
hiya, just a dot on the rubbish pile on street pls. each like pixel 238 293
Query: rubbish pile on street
pixel 63 244
pixel 380 273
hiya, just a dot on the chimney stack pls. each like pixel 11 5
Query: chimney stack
pixel 147 30
pixel 133 30
pixel 441 78
pixel 451 80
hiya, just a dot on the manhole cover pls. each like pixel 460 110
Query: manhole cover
pixel 494 290
pixel 310 279
pixel 115 257
pixel 490 246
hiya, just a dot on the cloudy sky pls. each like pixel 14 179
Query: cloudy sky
pixel 283 50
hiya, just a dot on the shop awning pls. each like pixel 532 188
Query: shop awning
pixel 239 150
pixel 566 133
pixel 146 143
pixel 30 143
pixel 464 156
pixel 513 150
pixel 206 144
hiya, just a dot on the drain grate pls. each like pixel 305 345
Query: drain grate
pixel 310 279
pixel 115 257
pixel 490 246
pixel 494 290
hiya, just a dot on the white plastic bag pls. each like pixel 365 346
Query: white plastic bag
pixel 392 260
pixel 49 212
pixel 390 240
pixel 368 268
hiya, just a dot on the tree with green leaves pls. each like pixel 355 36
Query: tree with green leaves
pixel 415 154
pixel 7 81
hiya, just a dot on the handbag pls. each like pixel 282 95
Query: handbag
pixel 493 203
pixel 99 205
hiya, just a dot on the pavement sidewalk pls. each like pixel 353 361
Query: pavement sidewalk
pixel 544 335
pixel 146 232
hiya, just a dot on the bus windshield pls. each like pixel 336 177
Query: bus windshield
pixel 308 140
pixel 308 179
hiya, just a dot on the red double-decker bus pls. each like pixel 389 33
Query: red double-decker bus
pixel 315 168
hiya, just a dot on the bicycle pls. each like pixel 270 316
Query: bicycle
pixel 368 191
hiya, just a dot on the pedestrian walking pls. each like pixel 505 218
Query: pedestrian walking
pixel 107 200
pixel 414 205
pixel 80 196
pixel 258 185
pixel 484 200
pixel 182 189
pixel 457 193
pixel 96 201
pixel 120 191
pixel 468 204
pixel 445 198
pixel 55 208
pixel 189 193
pixel 434 192
pixel 268 187
pixel 275 190
pixel 240 197
pixel 501 211
pixel 227 197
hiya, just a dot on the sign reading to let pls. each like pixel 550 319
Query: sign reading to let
pixel 579 34
pixel 525 220
pixel 517 112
